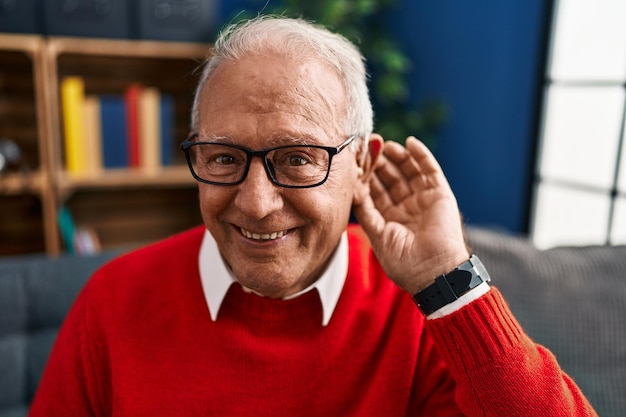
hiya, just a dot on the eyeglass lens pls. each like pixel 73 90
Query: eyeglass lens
pixel 288 165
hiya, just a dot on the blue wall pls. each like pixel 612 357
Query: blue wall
pixel 484 60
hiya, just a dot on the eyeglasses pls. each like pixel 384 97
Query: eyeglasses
pixel 290 166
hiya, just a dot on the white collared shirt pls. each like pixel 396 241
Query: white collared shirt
pixel 217 277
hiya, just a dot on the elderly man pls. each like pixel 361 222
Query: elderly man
pixel 277 307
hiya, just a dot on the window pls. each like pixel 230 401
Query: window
pixel 580 183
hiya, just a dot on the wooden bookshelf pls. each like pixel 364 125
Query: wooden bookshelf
pixel 27 198
pixel 24 183
pixel 31 68
pixel 120 178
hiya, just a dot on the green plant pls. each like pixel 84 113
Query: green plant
pixel 359 20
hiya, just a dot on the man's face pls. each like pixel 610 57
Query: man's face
pixel 276 240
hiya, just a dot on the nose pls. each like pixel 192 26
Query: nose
pixel 257 196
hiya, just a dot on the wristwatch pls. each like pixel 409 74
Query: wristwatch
pixel 451 286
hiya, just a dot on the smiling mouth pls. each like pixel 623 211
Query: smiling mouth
pixel 262 236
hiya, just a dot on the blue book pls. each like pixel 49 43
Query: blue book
pixel 168 134
pixel 113 120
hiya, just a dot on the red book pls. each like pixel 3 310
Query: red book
pixel 131 97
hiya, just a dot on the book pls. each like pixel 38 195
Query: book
pixel 66 227
pixel 113 128
pixel 79 240
pixel 167 131
pixel 149 128
pixel 131 98
pixel 93 134
pixel 72 105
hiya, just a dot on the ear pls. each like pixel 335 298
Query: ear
pixel 367 162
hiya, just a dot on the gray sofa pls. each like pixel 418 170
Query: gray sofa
pixel 572 300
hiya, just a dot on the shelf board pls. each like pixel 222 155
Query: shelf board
pixel 176 176
pixel 128 48
pixel 14 42
pixel 22 183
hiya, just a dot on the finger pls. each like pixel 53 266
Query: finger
pixel 425 160
pixel 380 194
pixel 391 176
pixel 432 175
pixel 402 158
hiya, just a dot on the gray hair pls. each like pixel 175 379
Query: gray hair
pixel 301 39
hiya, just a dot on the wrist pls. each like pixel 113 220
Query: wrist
pixel 451 286
pixel 467 298
pixel 438 266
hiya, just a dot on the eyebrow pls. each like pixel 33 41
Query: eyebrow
pixel 216 138
pixel 272 141
pixel 280 140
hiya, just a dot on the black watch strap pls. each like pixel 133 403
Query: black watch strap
pixel 449 287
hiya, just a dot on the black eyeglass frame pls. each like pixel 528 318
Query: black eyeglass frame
pixel 187 144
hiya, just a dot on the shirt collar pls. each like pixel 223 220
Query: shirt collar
pixel 216 277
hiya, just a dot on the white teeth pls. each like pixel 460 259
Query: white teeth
pixel 264 236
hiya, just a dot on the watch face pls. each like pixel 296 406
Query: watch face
pixel 459 281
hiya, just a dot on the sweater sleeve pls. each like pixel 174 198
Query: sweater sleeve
pixel 498 369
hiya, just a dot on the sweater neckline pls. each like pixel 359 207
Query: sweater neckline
pixel 246 305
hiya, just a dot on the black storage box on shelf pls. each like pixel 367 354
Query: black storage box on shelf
pixel 18 16
pixel 88 18
pixel 176 20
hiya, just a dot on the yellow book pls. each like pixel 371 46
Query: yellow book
pixel 72 99
pixel 149 129
pixel 93 134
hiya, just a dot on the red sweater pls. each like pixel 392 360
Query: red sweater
pixel 139 341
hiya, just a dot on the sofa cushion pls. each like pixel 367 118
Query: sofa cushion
pixel 571 300
pixel 35 294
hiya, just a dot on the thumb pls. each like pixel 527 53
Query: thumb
pixel 369 218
